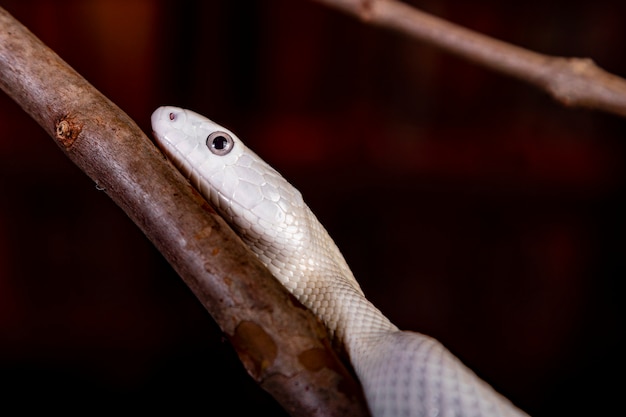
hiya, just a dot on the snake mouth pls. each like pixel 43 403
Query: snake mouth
pixel 158 142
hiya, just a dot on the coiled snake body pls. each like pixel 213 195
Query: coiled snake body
pixel 403 373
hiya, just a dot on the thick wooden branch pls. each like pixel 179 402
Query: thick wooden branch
pixel 281 344
pixel 575 82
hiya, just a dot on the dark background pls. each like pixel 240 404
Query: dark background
pixel 470 206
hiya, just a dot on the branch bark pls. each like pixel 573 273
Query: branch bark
pixel 574 82
pixel 282 345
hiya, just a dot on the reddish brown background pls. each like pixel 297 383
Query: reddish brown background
pixel 470 206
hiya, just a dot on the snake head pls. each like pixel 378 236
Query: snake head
pixel 253 197
pixel 267 211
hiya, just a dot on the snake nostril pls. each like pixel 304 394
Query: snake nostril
pixel 172 116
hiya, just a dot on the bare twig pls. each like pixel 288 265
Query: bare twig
pixel 280 343
pixel 575 82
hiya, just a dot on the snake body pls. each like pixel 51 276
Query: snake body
pixel 402 373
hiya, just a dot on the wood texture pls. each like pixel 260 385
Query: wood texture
pixel 282 345
pixel 574 82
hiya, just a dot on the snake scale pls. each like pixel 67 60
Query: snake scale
pixel 403 373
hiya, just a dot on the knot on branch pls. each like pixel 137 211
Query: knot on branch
pixel 67 130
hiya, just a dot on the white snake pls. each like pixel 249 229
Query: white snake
pixel 403 373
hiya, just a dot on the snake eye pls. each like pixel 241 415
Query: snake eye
pixel 220 143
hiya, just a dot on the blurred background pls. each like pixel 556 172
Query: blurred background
pixel 470 206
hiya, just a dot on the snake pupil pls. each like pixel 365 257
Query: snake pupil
pixel 220 142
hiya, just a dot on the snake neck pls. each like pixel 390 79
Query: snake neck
pixel 322 281
pixel 352 320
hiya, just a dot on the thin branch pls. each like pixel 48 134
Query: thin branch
pixel 575 82
pixel 281 344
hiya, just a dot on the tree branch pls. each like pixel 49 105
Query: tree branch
pixel 575 82
pixel 283 346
